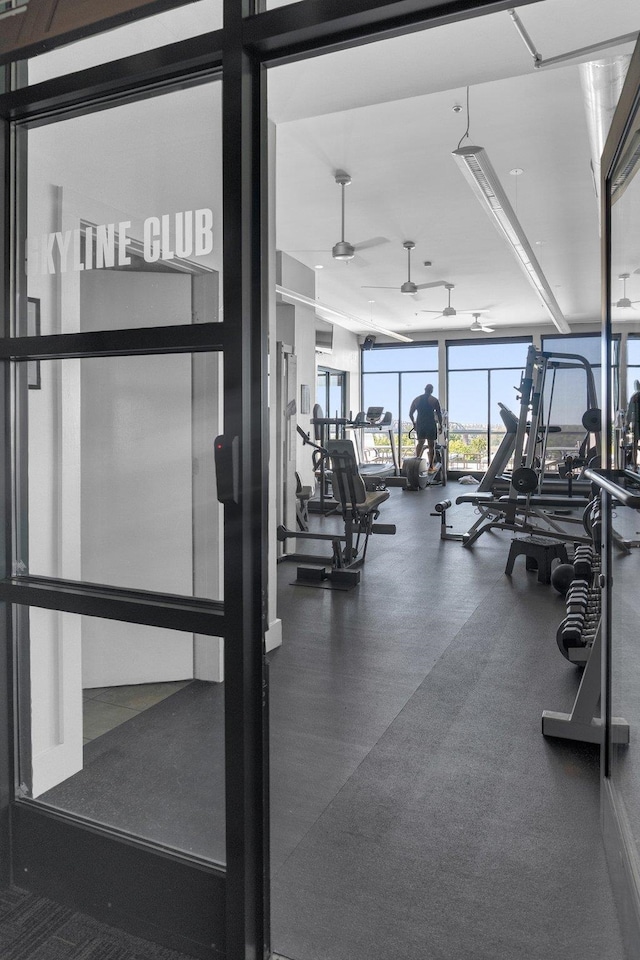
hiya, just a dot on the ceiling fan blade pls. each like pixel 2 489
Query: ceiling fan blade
pixel 434 283
pixel 379 288
pixel 374 242
pixel 357 261
pixel 439 312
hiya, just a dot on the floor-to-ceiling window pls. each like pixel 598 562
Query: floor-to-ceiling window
pixel 392 376
pixel 567 397
pixel 481 376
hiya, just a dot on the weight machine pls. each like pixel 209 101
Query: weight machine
pixel 359 509
pixel 526 508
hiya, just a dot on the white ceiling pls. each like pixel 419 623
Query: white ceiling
pixel 384 114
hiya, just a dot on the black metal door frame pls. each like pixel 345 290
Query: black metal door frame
pixel 220 912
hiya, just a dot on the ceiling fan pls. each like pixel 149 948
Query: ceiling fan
pixel 409 287
pixel 477 326
pixel 343 250
pixel 624 300
pixel 448 311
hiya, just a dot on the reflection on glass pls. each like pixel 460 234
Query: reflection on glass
pixel 625 607
pixel 115 238
pixel 116 729
pixel 146 34
pixel 121 473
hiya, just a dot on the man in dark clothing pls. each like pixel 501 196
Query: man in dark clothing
pixel 427 423
pixel 633 422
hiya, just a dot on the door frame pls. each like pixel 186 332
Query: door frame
pixel 620 843
pixel 230 906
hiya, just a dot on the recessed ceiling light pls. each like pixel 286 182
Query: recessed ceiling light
pixel 319 266
pixel 516 171
pixel 540 243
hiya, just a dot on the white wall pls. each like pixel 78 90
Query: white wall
pixel 300 332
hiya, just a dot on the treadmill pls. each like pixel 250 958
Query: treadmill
pixel 375 473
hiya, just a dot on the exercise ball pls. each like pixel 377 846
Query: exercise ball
pixel 562 576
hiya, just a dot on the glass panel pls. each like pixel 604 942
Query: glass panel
pixel 400 358
pixel 625 602
pixel 468 425
pixel 124 210
pixel 503 387
pixel 121 481
pixel 116 730
pixel 470 356
pixel 190 20
pixel 587 346
pixel 625 610
pixel 379 390
pixel 411 386
pixel 633 366
pixel 567 396
pixel 336 395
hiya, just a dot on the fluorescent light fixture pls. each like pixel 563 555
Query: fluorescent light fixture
pixel 626 168
pixel 477 168
pixel 335 316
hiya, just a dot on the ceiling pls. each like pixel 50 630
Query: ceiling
pixel 384 113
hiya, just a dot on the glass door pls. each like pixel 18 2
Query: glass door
pixel 134 588
pixel 621 513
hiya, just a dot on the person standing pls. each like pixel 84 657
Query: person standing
pixel 426 416
pixel 633 422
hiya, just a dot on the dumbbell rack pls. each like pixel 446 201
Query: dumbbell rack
pixel 577 631
pixel 579 640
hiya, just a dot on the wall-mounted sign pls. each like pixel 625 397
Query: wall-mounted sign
pixel 186 234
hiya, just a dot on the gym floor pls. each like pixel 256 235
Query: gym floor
pixel 417 811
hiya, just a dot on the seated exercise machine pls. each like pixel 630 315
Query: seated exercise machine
pixel 359 509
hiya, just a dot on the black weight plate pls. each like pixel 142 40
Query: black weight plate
pixel 525 480
pixel 592 420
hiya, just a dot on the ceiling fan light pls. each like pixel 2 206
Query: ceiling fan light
pixel 449 312
pixel 343 251
pixel 408 287
pixel 623 302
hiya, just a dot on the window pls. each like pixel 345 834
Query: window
pixel 567 395
pixel 480 376
pixel 391 377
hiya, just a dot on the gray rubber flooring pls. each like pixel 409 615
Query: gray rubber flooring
pixel 458 830
pixel 418 813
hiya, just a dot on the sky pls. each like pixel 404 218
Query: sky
pixel 481 376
